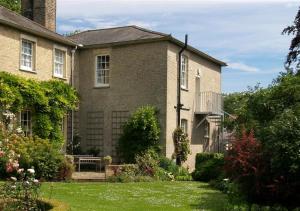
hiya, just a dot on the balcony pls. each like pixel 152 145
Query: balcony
pixel 209 103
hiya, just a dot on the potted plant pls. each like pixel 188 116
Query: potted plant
pixel 107 160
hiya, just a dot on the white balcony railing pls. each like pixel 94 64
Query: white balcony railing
pixel 209 103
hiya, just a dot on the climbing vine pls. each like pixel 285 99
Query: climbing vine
pixel 49 102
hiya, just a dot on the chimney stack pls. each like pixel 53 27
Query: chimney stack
pixel 41 11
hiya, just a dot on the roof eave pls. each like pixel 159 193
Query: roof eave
pixel 196 51
pixel 67 42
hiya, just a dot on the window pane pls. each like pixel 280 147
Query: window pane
pixel 59 63
pixel 26 54
pixel 184 68
pixel 25 122
pixel 102 70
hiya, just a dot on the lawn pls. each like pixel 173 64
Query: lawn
pixel 136 196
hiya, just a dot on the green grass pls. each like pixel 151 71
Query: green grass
pixel 136 196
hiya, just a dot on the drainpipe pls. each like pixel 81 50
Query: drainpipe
pixel 72 83
pixel 179 105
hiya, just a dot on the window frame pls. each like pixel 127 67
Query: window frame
pixel 206 129
pixel 28 131
pixel 33 41
pixel 99 85
pixel 64 65
pixel 184 81
pixel 184 127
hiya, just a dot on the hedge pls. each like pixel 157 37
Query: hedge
pixel 209 166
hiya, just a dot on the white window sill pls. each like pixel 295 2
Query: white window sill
pixel 59 77
pixel 184 88
pixel 99 86
pixel 27 70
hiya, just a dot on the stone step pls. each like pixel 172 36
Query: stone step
pixel 89 176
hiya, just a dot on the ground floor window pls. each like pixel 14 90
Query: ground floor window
pixel 26 122
pixel 184 125
pixel 206 129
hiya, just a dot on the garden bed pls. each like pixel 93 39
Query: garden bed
pixel 43 204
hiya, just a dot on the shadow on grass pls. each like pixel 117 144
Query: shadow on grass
pixel 210 199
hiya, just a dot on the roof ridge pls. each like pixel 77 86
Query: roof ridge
pixel 120 27
pixel 40 25
pixel 91 30
pixel 150 31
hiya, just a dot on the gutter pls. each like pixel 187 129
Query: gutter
pixel 179 105
pixel 72 83
pixel 56 38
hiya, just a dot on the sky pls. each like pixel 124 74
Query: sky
pixel 246 34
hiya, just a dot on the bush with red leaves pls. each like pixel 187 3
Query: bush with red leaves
pixel 248 165
pixel 245 165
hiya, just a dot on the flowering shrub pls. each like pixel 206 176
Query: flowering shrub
pixel 21 192
pixel 147 162
pixel 181 146
pixel 8 157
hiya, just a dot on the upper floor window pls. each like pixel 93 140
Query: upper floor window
pixel 184 72
pixel 184 125
pixel 102 70
pixel 59 63
pixel 27 55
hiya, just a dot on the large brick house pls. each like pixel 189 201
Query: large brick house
pixel 116 71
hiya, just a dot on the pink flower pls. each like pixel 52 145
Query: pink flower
pixel 2 154
pixel 9 167
pixel 16 164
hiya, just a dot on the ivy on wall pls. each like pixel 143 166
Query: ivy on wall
pixel 49 102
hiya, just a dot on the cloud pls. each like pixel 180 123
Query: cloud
pixel 64 28
pixel 242 67
pixel 241 32
pixel 145 24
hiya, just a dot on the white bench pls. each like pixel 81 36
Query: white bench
pixel 89 160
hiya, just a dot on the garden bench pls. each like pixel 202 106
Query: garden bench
pixel 89 160
pixel 76 158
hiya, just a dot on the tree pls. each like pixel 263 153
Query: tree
pixel 293 55
pixel 274 113
pixel 69 34
pixel 140 134
pixel 14 5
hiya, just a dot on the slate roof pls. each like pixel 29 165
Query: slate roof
pixel 130 35
pixel 18 21
pixel 115 35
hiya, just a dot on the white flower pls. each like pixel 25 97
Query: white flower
pixel 19 130
pixel 13 179
pixel 31 171
pixel 13 187
pixel 27 183
pixel 35 181
pixel 226 180
pixel 20 171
